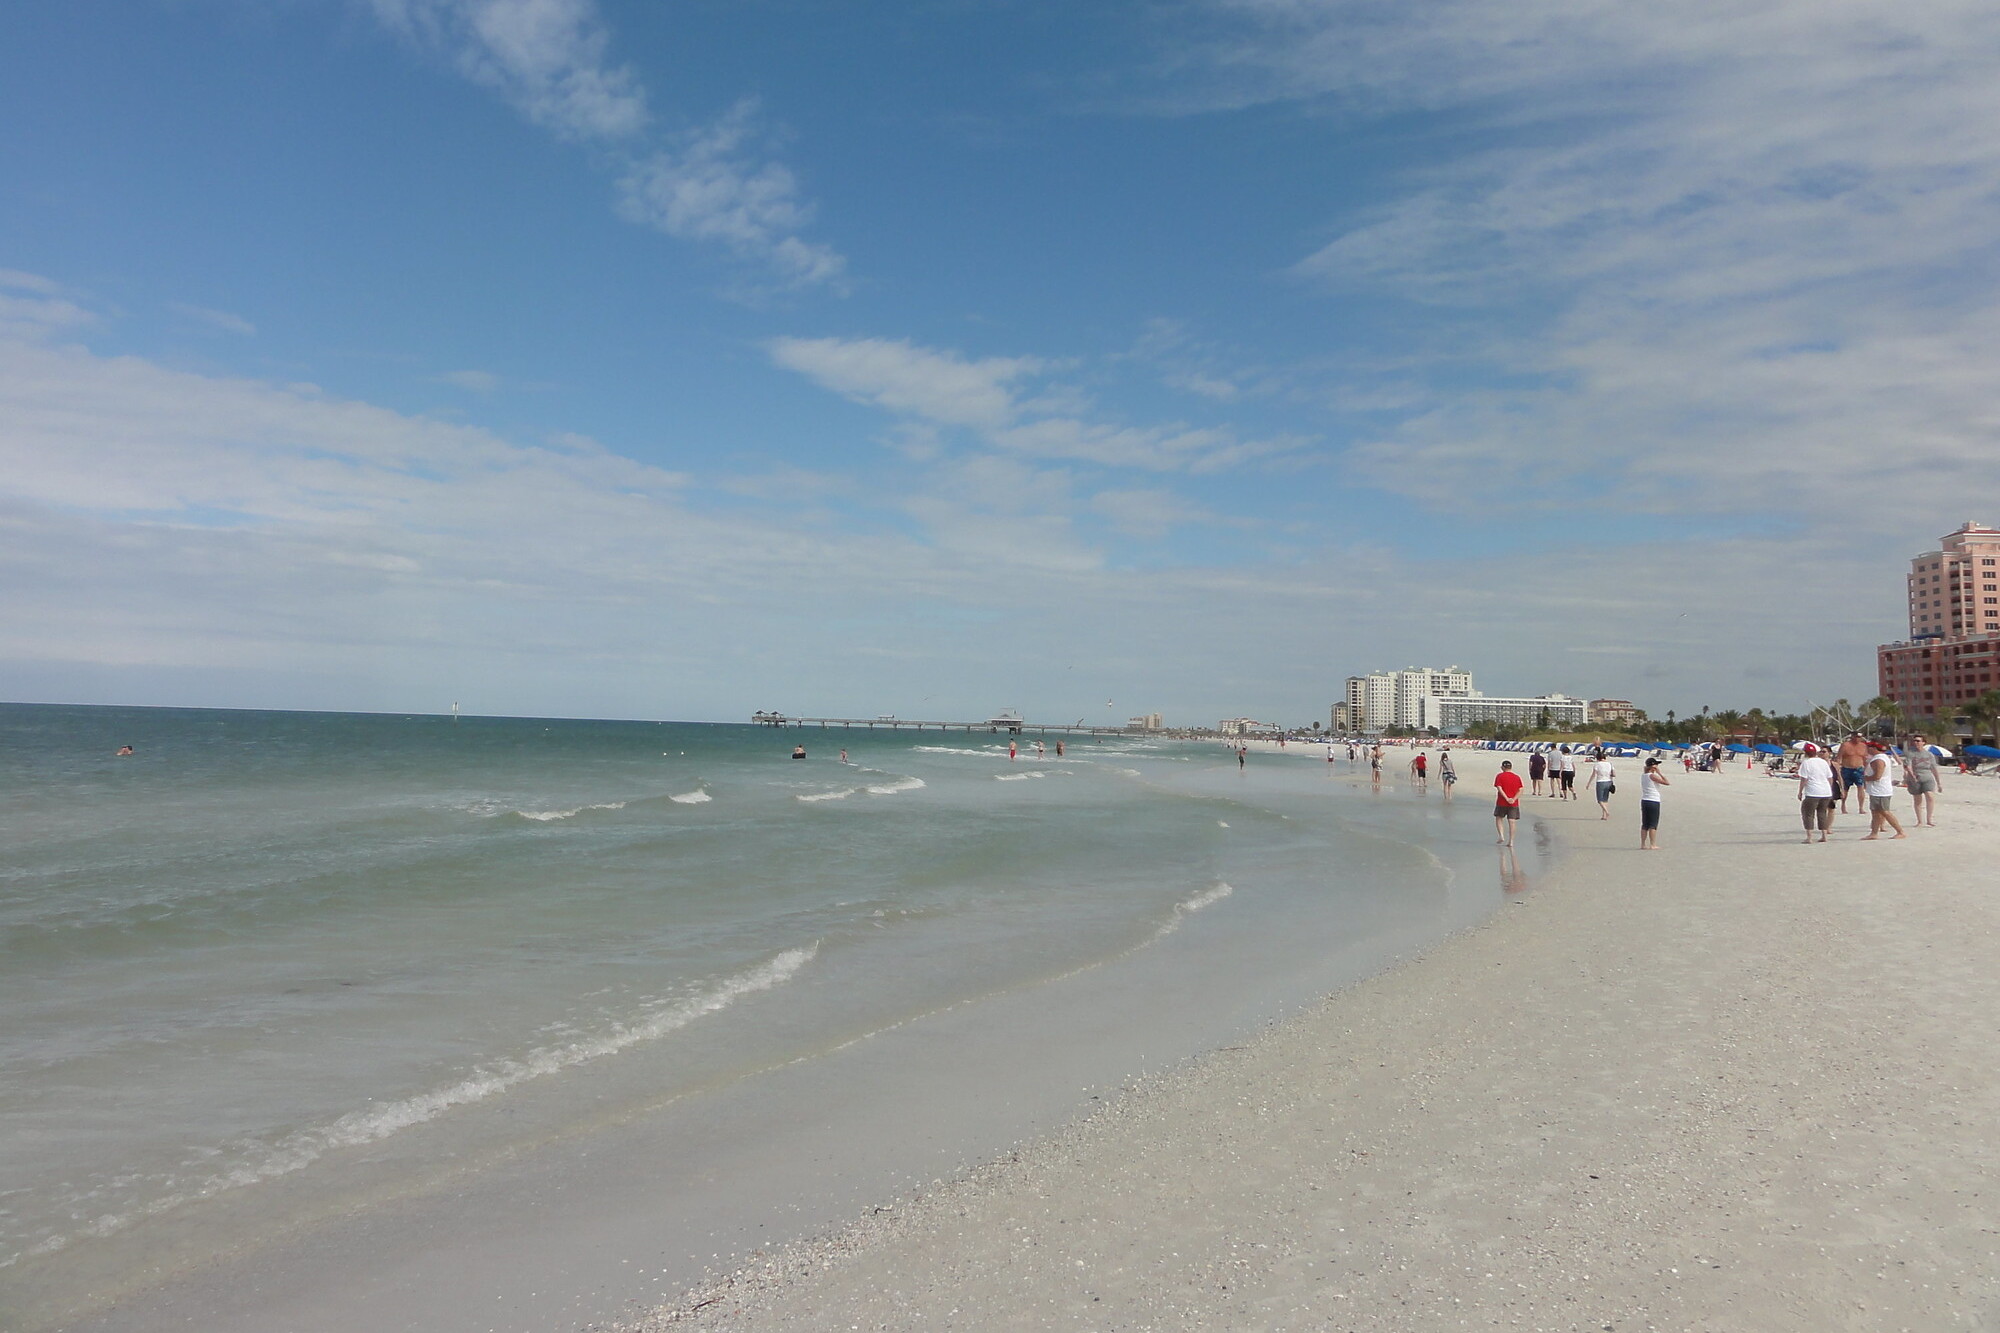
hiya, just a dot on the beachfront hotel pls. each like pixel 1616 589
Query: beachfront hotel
pixel 1395 698
pixel 1950 657
pixel 1442 699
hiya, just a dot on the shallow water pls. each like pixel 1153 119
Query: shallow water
pixel 269 953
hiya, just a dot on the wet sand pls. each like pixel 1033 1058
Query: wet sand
pixel 1735 1084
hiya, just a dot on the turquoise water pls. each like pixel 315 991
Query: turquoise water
pixel 267 947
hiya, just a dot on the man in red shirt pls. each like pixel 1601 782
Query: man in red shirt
pixel 1507 802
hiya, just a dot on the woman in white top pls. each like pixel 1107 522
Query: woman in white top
pixel 1650 783
pixel 1602 773
pixel 1880 786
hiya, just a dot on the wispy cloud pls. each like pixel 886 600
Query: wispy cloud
pixel 551 60
pixel 1732 257
pixel 988 396
pixel 176 534
pixel 220 319
pixel 710 188
pixel 474 381
pixel 33 307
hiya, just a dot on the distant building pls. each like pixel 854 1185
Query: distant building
pixel 1395 698
pixel 1146 722
pixel 1239 726
pixel 1451 716
pixel 1339 723
pixel 1615 710
pixel 1953 652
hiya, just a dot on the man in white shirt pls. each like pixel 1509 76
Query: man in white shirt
pixel 1815 793
pixel 1880 786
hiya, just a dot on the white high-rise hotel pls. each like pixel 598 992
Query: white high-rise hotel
pixel 1442 698
pixel 1395 698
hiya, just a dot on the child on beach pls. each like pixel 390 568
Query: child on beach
pixel 1507 786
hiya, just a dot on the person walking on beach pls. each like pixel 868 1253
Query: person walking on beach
pixel 1923 778
pixel 1566 766
pixel 1852 757
pixel 1816 781
pixel 1602 774
pixel 1420 771
pixel 1881 787
pixel 1446 773
pixel 1506 803
pixel 1651 780
pixel 1538 768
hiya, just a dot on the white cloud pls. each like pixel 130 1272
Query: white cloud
pixel 901 377
pixel 710 188
pixel 547 57
pixel 1733 256
pixel 1145 512
pixel 945 389
pixel 551 60
pixel 475 381
pixel 33 307
pixel 184 538
pixel 220 319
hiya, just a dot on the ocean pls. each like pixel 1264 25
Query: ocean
pixel 275 972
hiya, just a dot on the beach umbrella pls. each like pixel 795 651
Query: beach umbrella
pixel 1940 751
pixel 1982 752
pixel 1800 745
pixel 1765 747
pixel 1737 747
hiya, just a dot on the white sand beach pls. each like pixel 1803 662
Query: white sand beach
pixel 1737 1084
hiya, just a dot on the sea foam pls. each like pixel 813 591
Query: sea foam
pixel 299 1150
pixel 691 798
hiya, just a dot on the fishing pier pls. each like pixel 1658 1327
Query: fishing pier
pixel 1004 725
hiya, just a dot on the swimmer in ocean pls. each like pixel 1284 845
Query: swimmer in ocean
pixel 798 752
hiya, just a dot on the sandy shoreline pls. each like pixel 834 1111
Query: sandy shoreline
pixel 1737 1084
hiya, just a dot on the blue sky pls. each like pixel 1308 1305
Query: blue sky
pixel 641 359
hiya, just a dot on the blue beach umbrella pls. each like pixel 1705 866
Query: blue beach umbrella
pixel 1765 747
pixel 1982 751
pixel 1737 747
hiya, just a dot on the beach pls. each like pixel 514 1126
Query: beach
pixel 1738 1083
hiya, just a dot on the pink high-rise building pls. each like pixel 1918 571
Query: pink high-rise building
pixel 1953 651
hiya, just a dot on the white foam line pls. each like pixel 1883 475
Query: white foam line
pixel 691 798
pixel 840 795
pixel 1017 777
pixel 546 816
pixel 299 1150
pixel 1187 908
pixel 900 784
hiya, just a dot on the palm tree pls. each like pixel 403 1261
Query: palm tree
pixel 1884 708
pixel 1984 714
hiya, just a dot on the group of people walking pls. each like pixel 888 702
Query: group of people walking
pixel 1867 770
pixel 1508 788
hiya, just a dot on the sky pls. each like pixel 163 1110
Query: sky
pixel 625 358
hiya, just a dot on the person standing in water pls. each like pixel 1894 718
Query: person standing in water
pixel 798 752
pixel 1420 771
pixel 1242 755
pixel 1446 773
pixel 843 756
pixel 1507 786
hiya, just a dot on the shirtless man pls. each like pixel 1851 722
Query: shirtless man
pixel 1852 761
